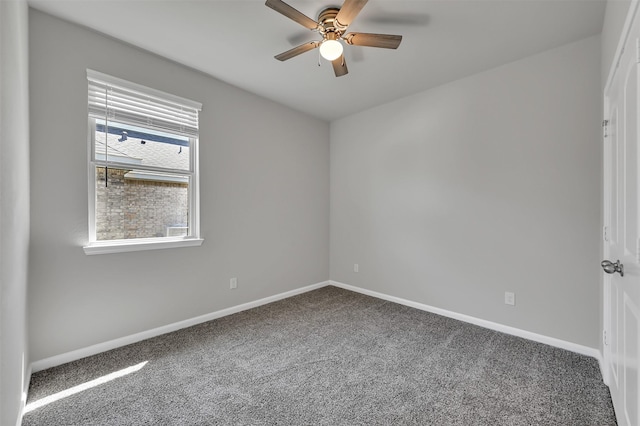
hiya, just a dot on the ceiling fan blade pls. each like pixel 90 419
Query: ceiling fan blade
pixel 387 41
pixel 349 11
pixel 291 13
pixel 340 66
pixel 297 50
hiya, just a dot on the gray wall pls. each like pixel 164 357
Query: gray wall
pixel 264 200
pixel 14 207
pixel 488 184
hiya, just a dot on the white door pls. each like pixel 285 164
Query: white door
pixel 622 232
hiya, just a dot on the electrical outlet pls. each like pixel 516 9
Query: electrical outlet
pixel 356 268
pixel 233 283
pixel 509 298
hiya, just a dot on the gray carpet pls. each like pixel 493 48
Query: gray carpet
pixel 330 357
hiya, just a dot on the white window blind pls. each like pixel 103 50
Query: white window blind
pixel 125 102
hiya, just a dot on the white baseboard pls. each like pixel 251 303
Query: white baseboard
pixel 551 341
pixel 56 360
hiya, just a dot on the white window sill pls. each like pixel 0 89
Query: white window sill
pixel 122 246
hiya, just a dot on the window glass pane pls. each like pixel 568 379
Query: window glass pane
pixel 134 145
pixel 140 204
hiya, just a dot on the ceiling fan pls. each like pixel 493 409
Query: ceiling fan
pixel 332 24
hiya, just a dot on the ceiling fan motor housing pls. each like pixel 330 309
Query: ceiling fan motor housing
pixel 327 19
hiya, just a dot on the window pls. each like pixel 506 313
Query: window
pixel 143 167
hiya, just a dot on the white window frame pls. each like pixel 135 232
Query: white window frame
pixel 138 244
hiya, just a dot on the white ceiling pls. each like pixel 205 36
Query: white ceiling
pixel 235 41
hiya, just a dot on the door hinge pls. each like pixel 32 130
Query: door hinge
pixel 604 337
pixel 605 128
pixel 605 233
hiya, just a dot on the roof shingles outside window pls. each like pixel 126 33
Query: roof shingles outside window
pixel 140 151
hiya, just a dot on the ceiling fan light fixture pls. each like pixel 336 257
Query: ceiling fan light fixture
pixel 331 49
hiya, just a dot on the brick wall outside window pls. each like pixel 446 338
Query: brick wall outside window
pixel 132 208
